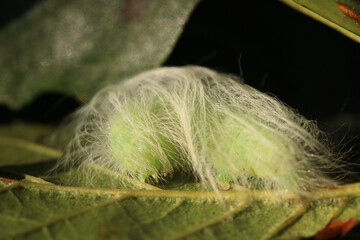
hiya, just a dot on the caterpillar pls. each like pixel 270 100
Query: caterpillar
pixel 204 123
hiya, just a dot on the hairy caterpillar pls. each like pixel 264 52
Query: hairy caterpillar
pixel 193 119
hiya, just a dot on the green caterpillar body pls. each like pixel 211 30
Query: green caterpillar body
pixel 133 138
pixel 261 153
pixel 208 124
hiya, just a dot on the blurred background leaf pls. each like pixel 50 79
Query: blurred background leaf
pixel 24 144
pixel 77 47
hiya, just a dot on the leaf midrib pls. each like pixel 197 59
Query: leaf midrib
pixel 349 190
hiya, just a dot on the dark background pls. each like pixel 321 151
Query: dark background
pixel 306 64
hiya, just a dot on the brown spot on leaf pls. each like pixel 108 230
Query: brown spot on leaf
pixel 335 229
pixel 7 180
pixel 348 11
pixel 135 9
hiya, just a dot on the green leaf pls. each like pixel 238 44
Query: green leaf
pixel 24 144
pixel 77 47
pixel 46 211
pixel 329 12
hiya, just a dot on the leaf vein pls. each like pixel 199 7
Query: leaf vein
pixel 69 216
pixel 214 221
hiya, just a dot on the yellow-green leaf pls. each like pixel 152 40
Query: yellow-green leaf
pixel 24 144
pixel 342 15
